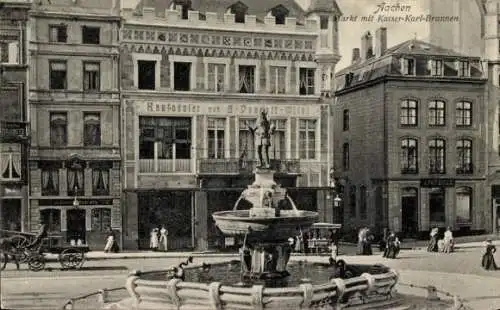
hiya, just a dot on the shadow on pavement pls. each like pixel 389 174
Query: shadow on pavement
pixel 93 268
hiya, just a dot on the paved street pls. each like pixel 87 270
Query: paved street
pixel 457 273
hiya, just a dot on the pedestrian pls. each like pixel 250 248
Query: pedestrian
pixel 163 239
pixel 153 241
pixel 488 261
pixel 389 245
pixel 433 241
pixel 448 241
pixel 109 241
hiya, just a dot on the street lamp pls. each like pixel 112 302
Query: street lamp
pixel 336 201
pixel 76 203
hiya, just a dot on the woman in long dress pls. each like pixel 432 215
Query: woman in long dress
pixel 448 241
pixel 163 239
pixel 153 241
pixel 488 261
pixel 433 242
pixel 109 242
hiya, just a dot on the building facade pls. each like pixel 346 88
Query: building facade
pixel 14 135
pixel 410 123
pixel 74 161
pixel 193 81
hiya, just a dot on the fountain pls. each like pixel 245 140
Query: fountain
pixel 264 258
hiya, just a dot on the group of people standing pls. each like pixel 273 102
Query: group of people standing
pixel 445 245
pixel 158 240
pixel 365 239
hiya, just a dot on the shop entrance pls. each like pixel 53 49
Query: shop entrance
pixel 409 213
pixel 75 222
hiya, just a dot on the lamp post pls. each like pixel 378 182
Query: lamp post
pixel 76 203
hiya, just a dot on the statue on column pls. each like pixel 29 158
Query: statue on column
pixel 262 133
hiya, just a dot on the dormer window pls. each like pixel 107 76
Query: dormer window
pixel 280 13
pixel 463 68
pixel 436 67
pixel 239 10
pixel 184 6
pixel 407 66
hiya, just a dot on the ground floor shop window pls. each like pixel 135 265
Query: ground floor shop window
pixel 464 205
pixel 52 219
pixel 11 214
pixel 437 205
pixel 101 219
pixel 220 201
pixel 409 210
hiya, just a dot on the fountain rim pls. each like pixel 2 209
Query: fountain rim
pixel 231 215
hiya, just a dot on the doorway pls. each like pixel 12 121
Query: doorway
pixel 11 214
pixel 409 212
pixel 76 225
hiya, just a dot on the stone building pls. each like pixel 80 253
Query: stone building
pixel 194 76
pixel 409 125
pixel 74 161
pixel 14 116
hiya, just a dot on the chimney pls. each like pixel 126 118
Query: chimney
pixel 355 55
pixel 380 41
pixel 366 45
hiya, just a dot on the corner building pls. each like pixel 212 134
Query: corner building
pixel 410 123
pixel 75 108
pixel 193 77
pixel 14 115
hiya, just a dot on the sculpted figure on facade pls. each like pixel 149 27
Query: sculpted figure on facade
pixel 262 133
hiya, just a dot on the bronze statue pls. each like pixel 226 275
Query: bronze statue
pixel 262 135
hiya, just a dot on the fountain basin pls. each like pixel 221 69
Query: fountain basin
pixel 239 222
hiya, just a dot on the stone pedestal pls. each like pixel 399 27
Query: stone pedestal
pixel 266 261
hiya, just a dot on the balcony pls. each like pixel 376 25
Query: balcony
pixel 13 131
pixel 164 165
pixel 235 166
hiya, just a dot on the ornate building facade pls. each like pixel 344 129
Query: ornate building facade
pixel 194 78
pixel 74 161
pixel 14 115
pixel 410 124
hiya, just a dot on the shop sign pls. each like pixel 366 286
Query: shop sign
pixel 69 202
pixel 250 110
pixel 437 183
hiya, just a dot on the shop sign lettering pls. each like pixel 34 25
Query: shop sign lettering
pixel 228 109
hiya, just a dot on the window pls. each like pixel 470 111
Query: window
pixel 409 156
pixel 91 76
pixel 58 129
pixel 185 8
pixel 463 68
pixel 9 51
pixel 52 219
pixel 58 33
pixel 464 114
pixel 307 138
pixel 306 81
pixel 437 205
pixel 437 150
pixel 464 156
pixel 100 181
pixel 346 120
pixel 436 67
pixel 166 141
pixel 239 10
pixel 57 75
pixel 277 80
pixel 408 66
pixel 10 162
pixel 363 210
pixel 345 157
pixel 437 113
pixel 216 77
pixel 91 129
pixel 75 179
pixel 101 219
pixel 408 113
pixel 90 35
pixel 50 179
pixel 146 74
pixel 464 205
pixel 278 144
pixel 246 79
pixel 216 137
pixel 323 22
pixel 246 139
pixel 352 200
pixel 182 76
pixel 280 13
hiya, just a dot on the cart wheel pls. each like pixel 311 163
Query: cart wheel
pixel 20 242
pixel 71 258
pixel 36 262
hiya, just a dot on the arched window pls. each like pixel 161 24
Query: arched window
pixel 51 218
pixel 345 154
pixel 437 151
pixel 463 205
pixel 437 113
pixel 408 113
pixel 463 114
pixel 239 10
pixel 409 156
pixel 409 210
pixel 464 156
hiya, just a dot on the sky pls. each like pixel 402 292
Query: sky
pixel 351 30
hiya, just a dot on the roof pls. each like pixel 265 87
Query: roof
pixel 324 6
pixel 259 8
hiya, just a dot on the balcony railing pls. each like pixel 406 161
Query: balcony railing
pixel 164 165
pixel 237 166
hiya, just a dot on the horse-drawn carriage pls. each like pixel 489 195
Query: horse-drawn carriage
pixel 31 249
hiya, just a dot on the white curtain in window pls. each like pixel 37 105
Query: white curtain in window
pixel 4 163
pixel 105 179
pixel 16 165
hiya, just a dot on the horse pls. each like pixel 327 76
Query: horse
pixel 8 248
